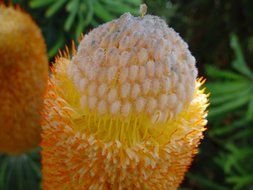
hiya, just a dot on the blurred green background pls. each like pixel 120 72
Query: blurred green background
pixel 220 36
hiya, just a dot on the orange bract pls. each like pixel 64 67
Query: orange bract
pixel 23 76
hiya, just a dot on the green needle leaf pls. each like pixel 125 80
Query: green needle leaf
pixel 219 88
pixel 39 3
pixel 229 106
pixel 249 114
pixel 219 99
pixel 54 8
pixel 222 74
pixel 239 63
pixel 101 12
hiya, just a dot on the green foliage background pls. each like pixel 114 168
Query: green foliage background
pixel 220 36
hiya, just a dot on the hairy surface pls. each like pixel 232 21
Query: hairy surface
pixel 23 77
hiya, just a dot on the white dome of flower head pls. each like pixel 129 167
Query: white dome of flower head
pixel 134 65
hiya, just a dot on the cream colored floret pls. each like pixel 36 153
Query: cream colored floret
pixel 134 64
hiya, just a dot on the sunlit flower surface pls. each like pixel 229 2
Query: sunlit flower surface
pixel 125 112
pixel 23 78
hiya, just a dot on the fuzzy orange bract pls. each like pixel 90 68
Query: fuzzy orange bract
pixel 23 76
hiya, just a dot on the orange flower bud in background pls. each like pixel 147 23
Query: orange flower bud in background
pixel 125 112
pixel 23 76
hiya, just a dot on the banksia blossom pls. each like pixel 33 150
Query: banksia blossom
pixel 23 78
pixel 125 112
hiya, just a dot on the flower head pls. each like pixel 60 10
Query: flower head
pixel 126 112
pixel 23 78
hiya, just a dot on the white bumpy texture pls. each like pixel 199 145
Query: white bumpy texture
pixel 134 65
